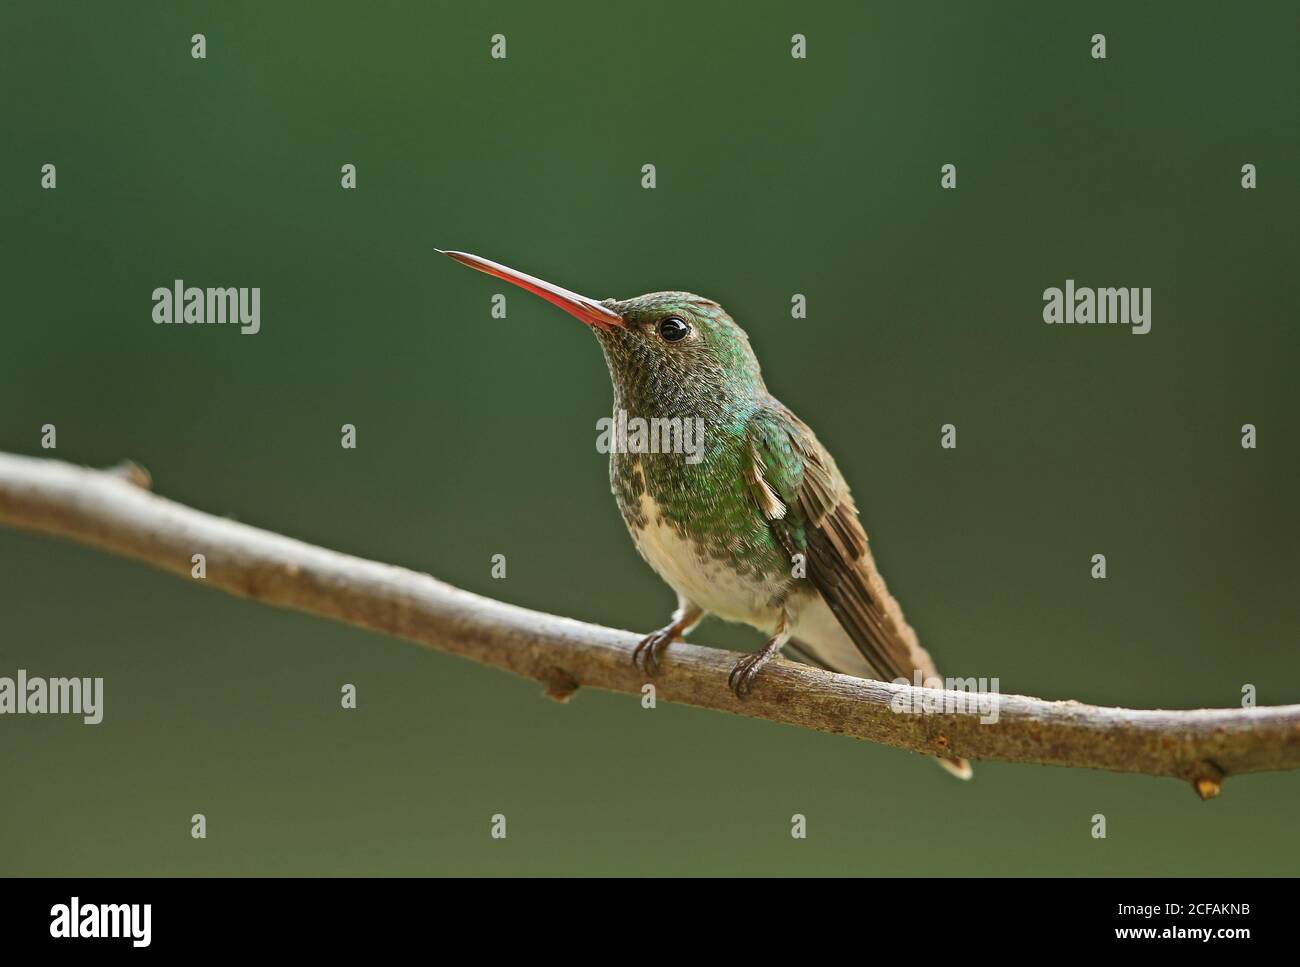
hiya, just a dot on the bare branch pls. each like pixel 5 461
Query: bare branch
pixel 113 511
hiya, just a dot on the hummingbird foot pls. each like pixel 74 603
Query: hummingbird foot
pixel 647 652
pixel 741 679
pixel 646 655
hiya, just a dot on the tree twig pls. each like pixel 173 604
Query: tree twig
pixel 114 511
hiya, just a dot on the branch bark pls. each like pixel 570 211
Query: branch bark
pixel 113 510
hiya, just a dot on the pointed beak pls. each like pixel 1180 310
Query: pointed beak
pixel 588 310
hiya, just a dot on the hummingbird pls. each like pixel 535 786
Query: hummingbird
pixel 759 528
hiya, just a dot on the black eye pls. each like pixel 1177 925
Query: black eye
pixel 673 329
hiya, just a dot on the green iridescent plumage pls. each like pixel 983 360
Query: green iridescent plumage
pixel 765 505
pixel 757 525
pixel 715 377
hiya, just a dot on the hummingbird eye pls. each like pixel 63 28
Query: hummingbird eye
pixel 672 329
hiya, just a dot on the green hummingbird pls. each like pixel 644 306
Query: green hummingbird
pixel 758 525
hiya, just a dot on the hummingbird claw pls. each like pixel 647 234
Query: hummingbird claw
pixel 647 652
pixel 741 679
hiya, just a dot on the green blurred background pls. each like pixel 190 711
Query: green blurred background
pixel 476 437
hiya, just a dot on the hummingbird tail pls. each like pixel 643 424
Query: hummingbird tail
pixel 820 640
pixel 957 767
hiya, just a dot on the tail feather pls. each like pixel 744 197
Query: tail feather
pixel 825 644
pixel 957 767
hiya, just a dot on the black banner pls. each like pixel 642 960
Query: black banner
pixel 330 916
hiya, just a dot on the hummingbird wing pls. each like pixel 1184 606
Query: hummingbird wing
pixel 807 503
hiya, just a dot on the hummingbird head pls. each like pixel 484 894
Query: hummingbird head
pixel 669 353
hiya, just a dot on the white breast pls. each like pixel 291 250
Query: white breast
pixel 709 583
